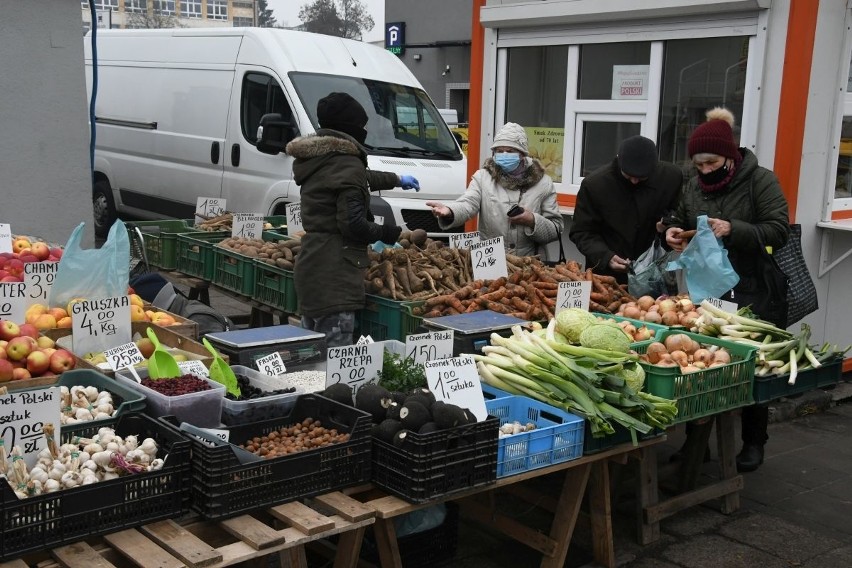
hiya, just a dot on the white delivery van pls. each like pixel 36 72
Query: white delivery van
pixel 179 113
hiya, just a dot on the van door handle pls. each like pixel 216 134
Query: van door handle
pixel 214 152
pixel 235 155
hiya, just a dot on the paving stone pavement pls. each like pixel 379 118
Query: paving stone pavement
pixel 796 509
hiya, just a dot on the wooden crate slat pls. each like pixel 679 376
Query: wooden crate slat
pixel 79 555
pixel 347 507
pixel 302 517
pixel 143 552
pixel 256 534
pixel 182 544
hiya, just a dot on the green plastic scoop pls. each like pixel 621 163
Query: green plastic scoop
pixel 161 365
pixel 221 372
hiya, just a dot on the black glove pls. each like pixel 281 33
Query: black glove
pixel 390 234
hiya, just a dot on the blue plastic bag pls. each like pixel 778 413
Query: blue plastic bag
pixel 705 263
pixel 92 273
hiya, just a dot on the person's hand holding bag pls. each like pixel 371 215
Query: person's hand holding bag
pixel 709 273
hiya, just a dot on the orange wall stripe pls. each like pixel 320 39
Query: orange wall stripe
pixel 844 214
pixel 566 200
pixel 477 66
pixel 847 365
pixel 795 84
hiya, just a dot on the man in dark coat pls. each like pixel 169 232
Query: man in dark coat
pixel 331 168
pixel 620 205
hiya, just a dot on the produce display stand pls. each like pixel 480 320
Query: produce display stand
pixel 284 530
pixel 585 476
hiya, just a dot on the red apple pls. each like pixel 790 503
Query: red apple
pixel 15 267
pixel 11 278
pixel 19 347
pixel 29 330
pixel 6 370
pixel 20 373
pixel 45 342
pixel 44 321
pixel 40 250
pixel 3 353
pixel 20 244
pixel 38 362
pixel 9 330
pixel 56 252
pixel 27 257
pixel 62 360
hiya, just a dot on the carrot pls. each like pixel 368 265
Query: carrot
pixel 549 293
pixel 496 284
pixel 495 295
pixel 613 306
pixel 606 279
pixel 598 297
pixel 437 300
pixel 596 307
pixel 519 304
pixel 497 307
pixel 546 285
pixel 572 265
pixel 589 274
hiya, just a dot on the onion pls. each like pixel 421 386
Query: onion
pixel 680 357
pixel 689 369
pixel 670 317
pixel 653 317
pixel 645 302
pixel 703 355
pixel 666 305
pixel 655 351
pixel 722 356
pixel 632 312
pixel 685 305
pixel 678 341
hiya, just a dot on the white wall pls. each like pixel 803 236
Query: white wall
pixel 45 177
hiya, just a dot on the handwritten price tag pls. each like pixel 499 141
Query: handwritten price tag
pixel 464 240
pixel 272 364
pixel 123 356
pixel 247 225
pixel 488 259
pixel 13 301
pixel 430 346
pixel 5 237
pixel 208 207
pixel 573 295
pixel 354 365
pixel 98 325
pixel 23 415
pixel 39 277
pixel 379 219
pixel 294 218
pixel 456 381
pixel 193 367
pixel 724 305
pixel 223 435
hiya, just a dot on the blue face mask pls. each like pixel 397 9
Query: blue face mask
pixel 508 161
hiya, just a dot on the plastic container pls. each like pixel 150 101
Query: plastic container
pixel 440 463
pixel 275 287
pixel 233 271
pixel 195 253
pixel 39 523
pixel 235 412
pixel 224 486
pixel 557 438
pixel 384 319
pixel 706 392
pixel 775 386
pixel 161 239
pixel 124 399
pixel 202 409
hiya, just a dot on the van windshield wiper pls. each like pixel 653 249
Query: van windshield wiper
pixel 407 151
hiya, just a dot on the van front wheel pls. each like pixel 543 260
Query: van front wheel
pixel 103 208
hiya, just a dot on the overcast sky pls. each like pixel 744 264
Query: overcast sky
pixel 287 14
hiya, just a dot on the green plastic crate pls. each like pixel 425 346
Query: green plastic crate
pixel 161 239
pixel 709 391
pixel 775 386
pixel 384 319
pixel 233 271
pixel 275 287
pixel 195 253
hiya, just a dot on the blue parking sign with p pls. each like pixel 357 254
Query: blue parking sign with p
pixel 395 37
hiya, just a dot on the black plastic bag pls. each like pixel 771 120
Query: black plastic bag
pixel 648 277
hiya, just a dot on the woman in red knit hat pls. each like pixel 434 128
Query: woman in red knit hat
pixel 746 210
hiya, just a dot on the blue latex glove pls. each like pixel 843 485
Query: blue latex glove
pixel 409 182
pixel 379 246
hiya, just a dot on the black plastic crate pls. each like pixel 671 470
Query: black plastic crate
pixel 439 463
pixel 53 519
pixel 224 486
pixel 422 549
pixel 774 387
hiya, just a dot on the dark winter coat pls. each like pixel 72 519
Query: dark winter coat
pixel 754 205
pixel 331 168
pixel 614 217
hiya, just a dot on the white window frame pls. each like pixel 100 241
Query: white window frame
pixel 186 12
pixel 844 107
pixel 581 119
pixel 135 6
pixel 217 9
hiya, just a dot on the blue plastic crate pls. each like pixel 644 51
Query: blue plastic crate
pixel 557 438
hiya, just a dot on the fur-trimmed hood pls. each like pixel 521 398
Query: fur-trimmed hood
pixel 314 152
pixel 532 175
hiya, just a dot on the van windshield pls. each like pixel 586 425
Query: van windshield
pixel 402 120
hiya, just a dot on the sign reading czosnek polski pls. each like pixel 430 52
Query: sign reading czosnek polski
pixel 456 381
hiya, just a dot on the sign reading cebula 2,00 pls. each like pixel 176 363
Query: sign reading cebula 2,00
pixel 97 325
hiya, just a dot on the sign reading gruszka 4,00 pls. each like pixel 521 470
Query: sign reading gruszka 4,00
pixel 97 325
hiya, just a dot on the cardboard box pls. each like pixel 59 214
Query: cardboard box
pixel 183 326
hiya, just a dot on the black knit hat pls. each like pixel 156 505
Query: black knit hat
pixel 340 111
pixel 637 156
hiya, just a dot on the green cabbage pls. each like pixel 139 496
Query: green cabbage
pixel 633 375
pixel 605 336
pixel 572 322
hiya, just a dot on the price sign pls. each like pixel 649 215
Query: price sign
pixel 193 367
pixel 123 356
pixel 22 417
pixel 97 325
pixel 573 295
pixel 223 435
pixel 272 364
pixel 39 276
pixel 5 237
pixel 456 381
pixel 13 301
pixel 430 346
pixel 364 340
pixel 379 219
pixel 208 207
pixel 294 218
pixel 247 225
pixel 724 305
pixel 464 240
pixel 488 259
pixel 354 365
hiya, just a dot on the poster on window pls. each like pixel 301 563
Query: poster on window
pixel 546 146
pixel 630 82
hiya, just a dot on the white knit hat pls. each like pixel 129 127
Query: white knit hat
pixel 512 135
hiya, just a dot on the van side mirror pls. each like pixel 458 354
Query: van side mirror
pixel 274 133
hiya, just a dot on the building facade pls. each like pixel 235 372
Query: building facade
pixel 121 14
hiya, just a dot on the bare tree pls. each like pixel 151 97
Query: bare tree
pixel 154 17
pixel 341 18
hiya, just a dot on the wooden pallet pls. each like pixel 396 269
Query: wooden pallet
pixel 284 529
